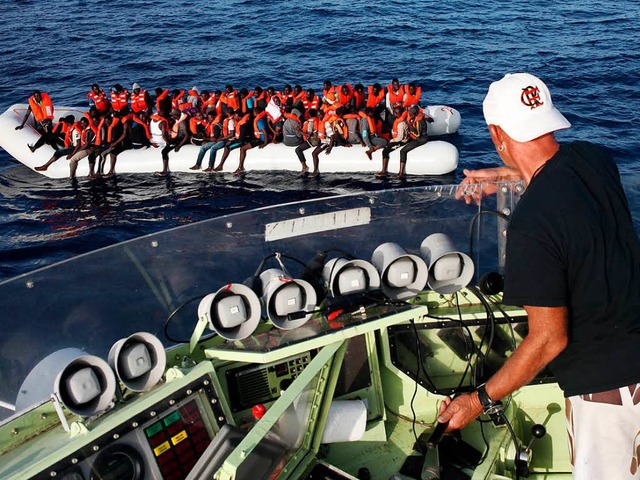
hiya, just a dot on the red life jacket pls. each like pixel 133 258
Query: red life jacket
pixel 216 121
pixel 395 97
pixel 374 100
pixel 119 100
pixel 139 101
pixel 410 100
pixel 286 96
pixel 99 100
pixel 43 110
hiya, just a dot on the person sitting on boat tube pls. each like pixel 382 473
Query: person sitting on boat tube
pixel 260 137
pixel 119 100
pixel 42 108
pixel 369 132
pixel 333 131
pixel 140 99
pixel 178 136
pixel 98 99
pixel 74 144
pixel 417 135
pixel 399 137
pixel 412 94
pixel 310 137
pixel 395 95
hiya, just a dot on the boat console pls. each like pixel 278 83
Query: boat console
pixel 313 340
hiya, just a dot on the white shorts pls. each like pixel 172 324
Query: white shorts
pixel 604 434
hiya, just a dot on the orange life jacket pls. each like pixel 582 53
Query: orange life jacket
pixel 231 99
pixel 300 96
pixel 240 123
pixel 310 127
pixel 161 97
pixel 76 127
pixel 396 122
pixel 359 99
pixel 96 135
pixel 225 126
pixel 286 96
pixel 210 126
pixel 95 127
pixel 309 104
pixel 134 118
pixel 99 100
pixel 119 100
pixel 63 128
pixel 345 98
pixel 43 110
pixel 374 100
pixel 340 126
pixel 256 131
pixel 139 101
pixel 293 117
pixel 175 101
pixel 161 119
pixel 409 99
pixel 372 125
pixel 395 97
pixel 412 131
pixel 114 122
pixel 193 124
pixel 263 96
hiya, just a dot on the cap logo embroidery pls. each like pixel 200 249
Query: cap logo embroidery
pixel 531 97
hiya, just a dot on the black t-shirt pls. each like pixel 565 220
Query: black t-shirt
pixel 571 243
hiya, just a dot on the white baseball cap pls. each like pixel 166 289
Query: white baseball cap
pixel 520 103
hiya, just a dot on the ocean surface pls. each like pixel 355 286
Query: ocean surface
pixel 586 52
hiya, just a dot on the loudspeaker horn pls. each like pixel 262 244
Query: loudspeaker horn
pixel 86 385
pixel 233 312
pixel 138 360
pixel 449 269
pixel 289 302
pixel 343 277
pixel 403 275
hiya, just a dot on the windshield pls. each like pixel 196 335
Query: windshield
pixel 91 301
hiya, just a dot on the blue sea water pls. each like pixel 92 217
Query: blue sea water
pixel 586 52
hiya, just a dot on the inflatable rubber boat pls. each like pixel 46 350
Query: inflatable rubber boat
pixel 437 157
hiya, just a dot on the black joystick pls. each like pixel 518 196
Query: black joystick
pixel 524 457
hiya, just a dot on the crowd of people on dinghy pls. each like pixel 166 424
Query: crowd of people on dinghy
pixel 375 117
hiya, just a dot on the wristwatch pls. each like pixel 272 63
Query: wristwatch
pixel 489 407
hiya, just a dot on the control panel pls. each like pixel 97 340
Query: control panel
pixel 163 440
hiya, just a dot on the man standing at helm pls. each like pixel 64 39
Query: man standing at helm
pixel 573 263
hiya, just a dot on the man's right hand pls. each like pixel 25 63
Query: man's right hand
pixel 485 175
